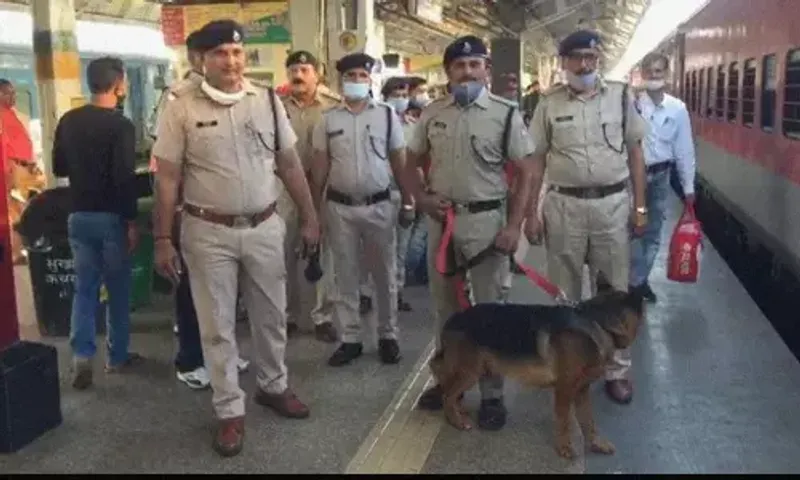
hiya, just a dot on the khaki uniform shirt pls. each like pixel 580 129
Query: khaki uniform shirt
pixel 227 152
pixel 356 144
pixel 583 137
pixel 168 94
pixel 304 119
pixel 466 146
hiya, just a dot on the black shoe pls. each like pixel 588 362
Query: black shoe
pixel 291 329
pixel 365 305
pixel 431 399
pixel 492 414
pixel 346 353
pixel 389 351
pixel 648 293
pixel 402 305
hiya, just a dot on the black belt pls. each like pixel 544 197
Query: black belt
pixel 350 201
pixel 478 206
pixel 590 193
pixel 658 167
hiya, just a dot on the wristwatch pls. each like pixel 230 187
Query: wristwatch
pixel 641 210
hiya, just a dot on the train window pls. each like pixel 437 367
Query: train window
pixel 719 111
pixel 769 80
pixel 685 91
pixel 701 81
pixel 791 96
pixel 709 92
pixel 693 92
pixel 733 91
pixel 749 92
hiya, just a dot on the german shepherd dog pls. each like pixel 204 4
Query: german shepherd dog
pixel 564 347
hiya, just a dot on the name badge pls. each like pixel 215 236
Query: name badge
pixel 565 118
pixel 211 123
pixel 335 133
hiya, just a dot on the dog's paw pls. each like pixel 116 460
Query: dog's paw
pixel 565 450
pixel 601 445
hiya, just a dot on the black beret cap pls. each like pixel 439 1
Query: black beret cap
pixel 219 32
pixel 355 60
pixel 300 57
pixel 191 41
pixel 467 46
pixel 393 84
pixel 578 40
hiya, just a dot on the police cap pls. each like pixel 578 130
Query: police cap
pixel 467 46
pixel 392 84
pixel 581 39
pixel 191 41
pixel 355 60
pixel 219 32
pixel 301 57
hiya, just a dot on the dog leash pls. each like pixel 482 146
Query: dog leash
pixel 459 273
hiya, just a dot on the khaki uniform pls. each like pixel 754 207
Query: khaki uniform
pixel 227 155
pixel 465 147
pixel 585 145
pixel 356 145
pixel 305 301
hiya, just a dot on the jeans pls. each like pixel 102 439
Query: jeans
pixel 645 248
pixel 403 236
pixel 416 265
pixel 99 246
pixel 190 350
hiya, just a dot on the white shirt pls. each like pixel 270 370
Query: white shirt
pixel 669 137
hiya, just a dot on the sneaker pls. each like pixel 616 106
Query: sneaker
pixel 82 373
pixel 196 379
pixel 242 365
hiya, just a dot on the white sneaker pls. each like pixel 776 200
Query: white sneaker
pixel 175 329
pixel 197 379
pixel 243 365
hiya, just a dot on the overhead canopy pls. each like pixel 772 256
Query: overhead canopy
pixel 139 11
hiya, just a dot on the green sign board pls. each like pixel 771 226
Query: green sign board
pixel 271 29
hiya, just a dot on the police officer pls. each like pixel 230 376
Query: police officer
pixel 588 133
pixel 463 135
pixel 230 142
pixel 305 105
pixel 358 147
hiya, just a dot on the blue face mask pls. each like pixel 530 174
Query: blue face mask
pixel 468 92
pixel 582 82
pixel 400 105
pixel 355 91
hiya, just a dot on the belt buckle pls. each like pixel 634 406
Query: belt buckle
pixel 241 221
pixel 460 208
pixel 360 201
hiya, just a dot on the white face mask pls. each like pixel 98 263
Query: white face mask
pixel 653 85
pixel 422 99
pixel 223 98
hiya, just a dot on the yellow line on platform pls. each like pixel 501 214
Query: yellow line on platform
pixel 403 437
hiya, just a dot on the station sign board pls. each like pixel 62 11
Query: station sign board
pixel 264 22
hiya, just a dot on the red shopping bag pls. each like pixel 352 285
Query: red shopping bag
pixel 683 263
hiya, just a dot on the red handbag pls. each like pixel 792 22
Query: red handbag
pixel 685 248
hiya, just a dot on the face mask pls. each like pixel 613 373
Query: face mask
pixel 355 91
pixel 400 105
pixel 223 98
pixel 422 99
pixel 583 82
pixel 654 85
pixel 465 94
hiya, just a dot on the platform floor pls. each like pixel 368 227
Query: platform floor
pixel 716 391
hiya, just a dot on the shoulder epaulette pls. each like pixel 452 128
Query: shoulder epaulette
pixel 558 87
pixel 501 100
pixel 183 87
pixel 328 95
pixel 259 84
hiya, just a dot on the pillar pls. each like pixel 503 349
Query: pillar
pixel 506 54
pixel 351 28
pixel 58 67
pixel 307 23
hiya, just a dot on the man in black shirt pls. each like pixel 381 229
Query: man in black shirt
pixel 94 147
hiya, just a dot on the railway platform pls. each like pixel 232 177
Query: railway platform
pixel 716 391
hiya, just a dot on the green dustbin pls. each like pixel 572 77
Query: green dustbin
pixel 143 258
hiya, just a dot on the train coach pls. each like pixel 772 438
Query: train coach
pixel 147 62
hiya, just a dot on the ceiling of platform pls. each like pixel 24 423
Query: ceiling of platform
pixel 540 23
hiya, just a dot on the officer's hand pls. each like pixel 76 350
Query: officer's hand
pixel 507 239
pixel 167 262
pixel 310 234
pixel 434 205
pixel 638 222
pixel 534 229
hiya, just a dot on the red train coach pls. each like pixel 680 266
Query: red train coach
pixel 736 64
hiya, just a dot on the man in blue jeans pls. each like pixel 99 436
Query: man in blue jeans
pixel 668 147
pixel 94 147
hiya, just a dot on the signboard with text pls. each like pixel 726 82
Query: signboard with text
pixel 263 22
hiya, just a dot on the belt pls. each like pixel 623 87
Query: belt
pixel 659 167
pixel 590 193
pixel 233 221
pixel 351 201
pixel 477 206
